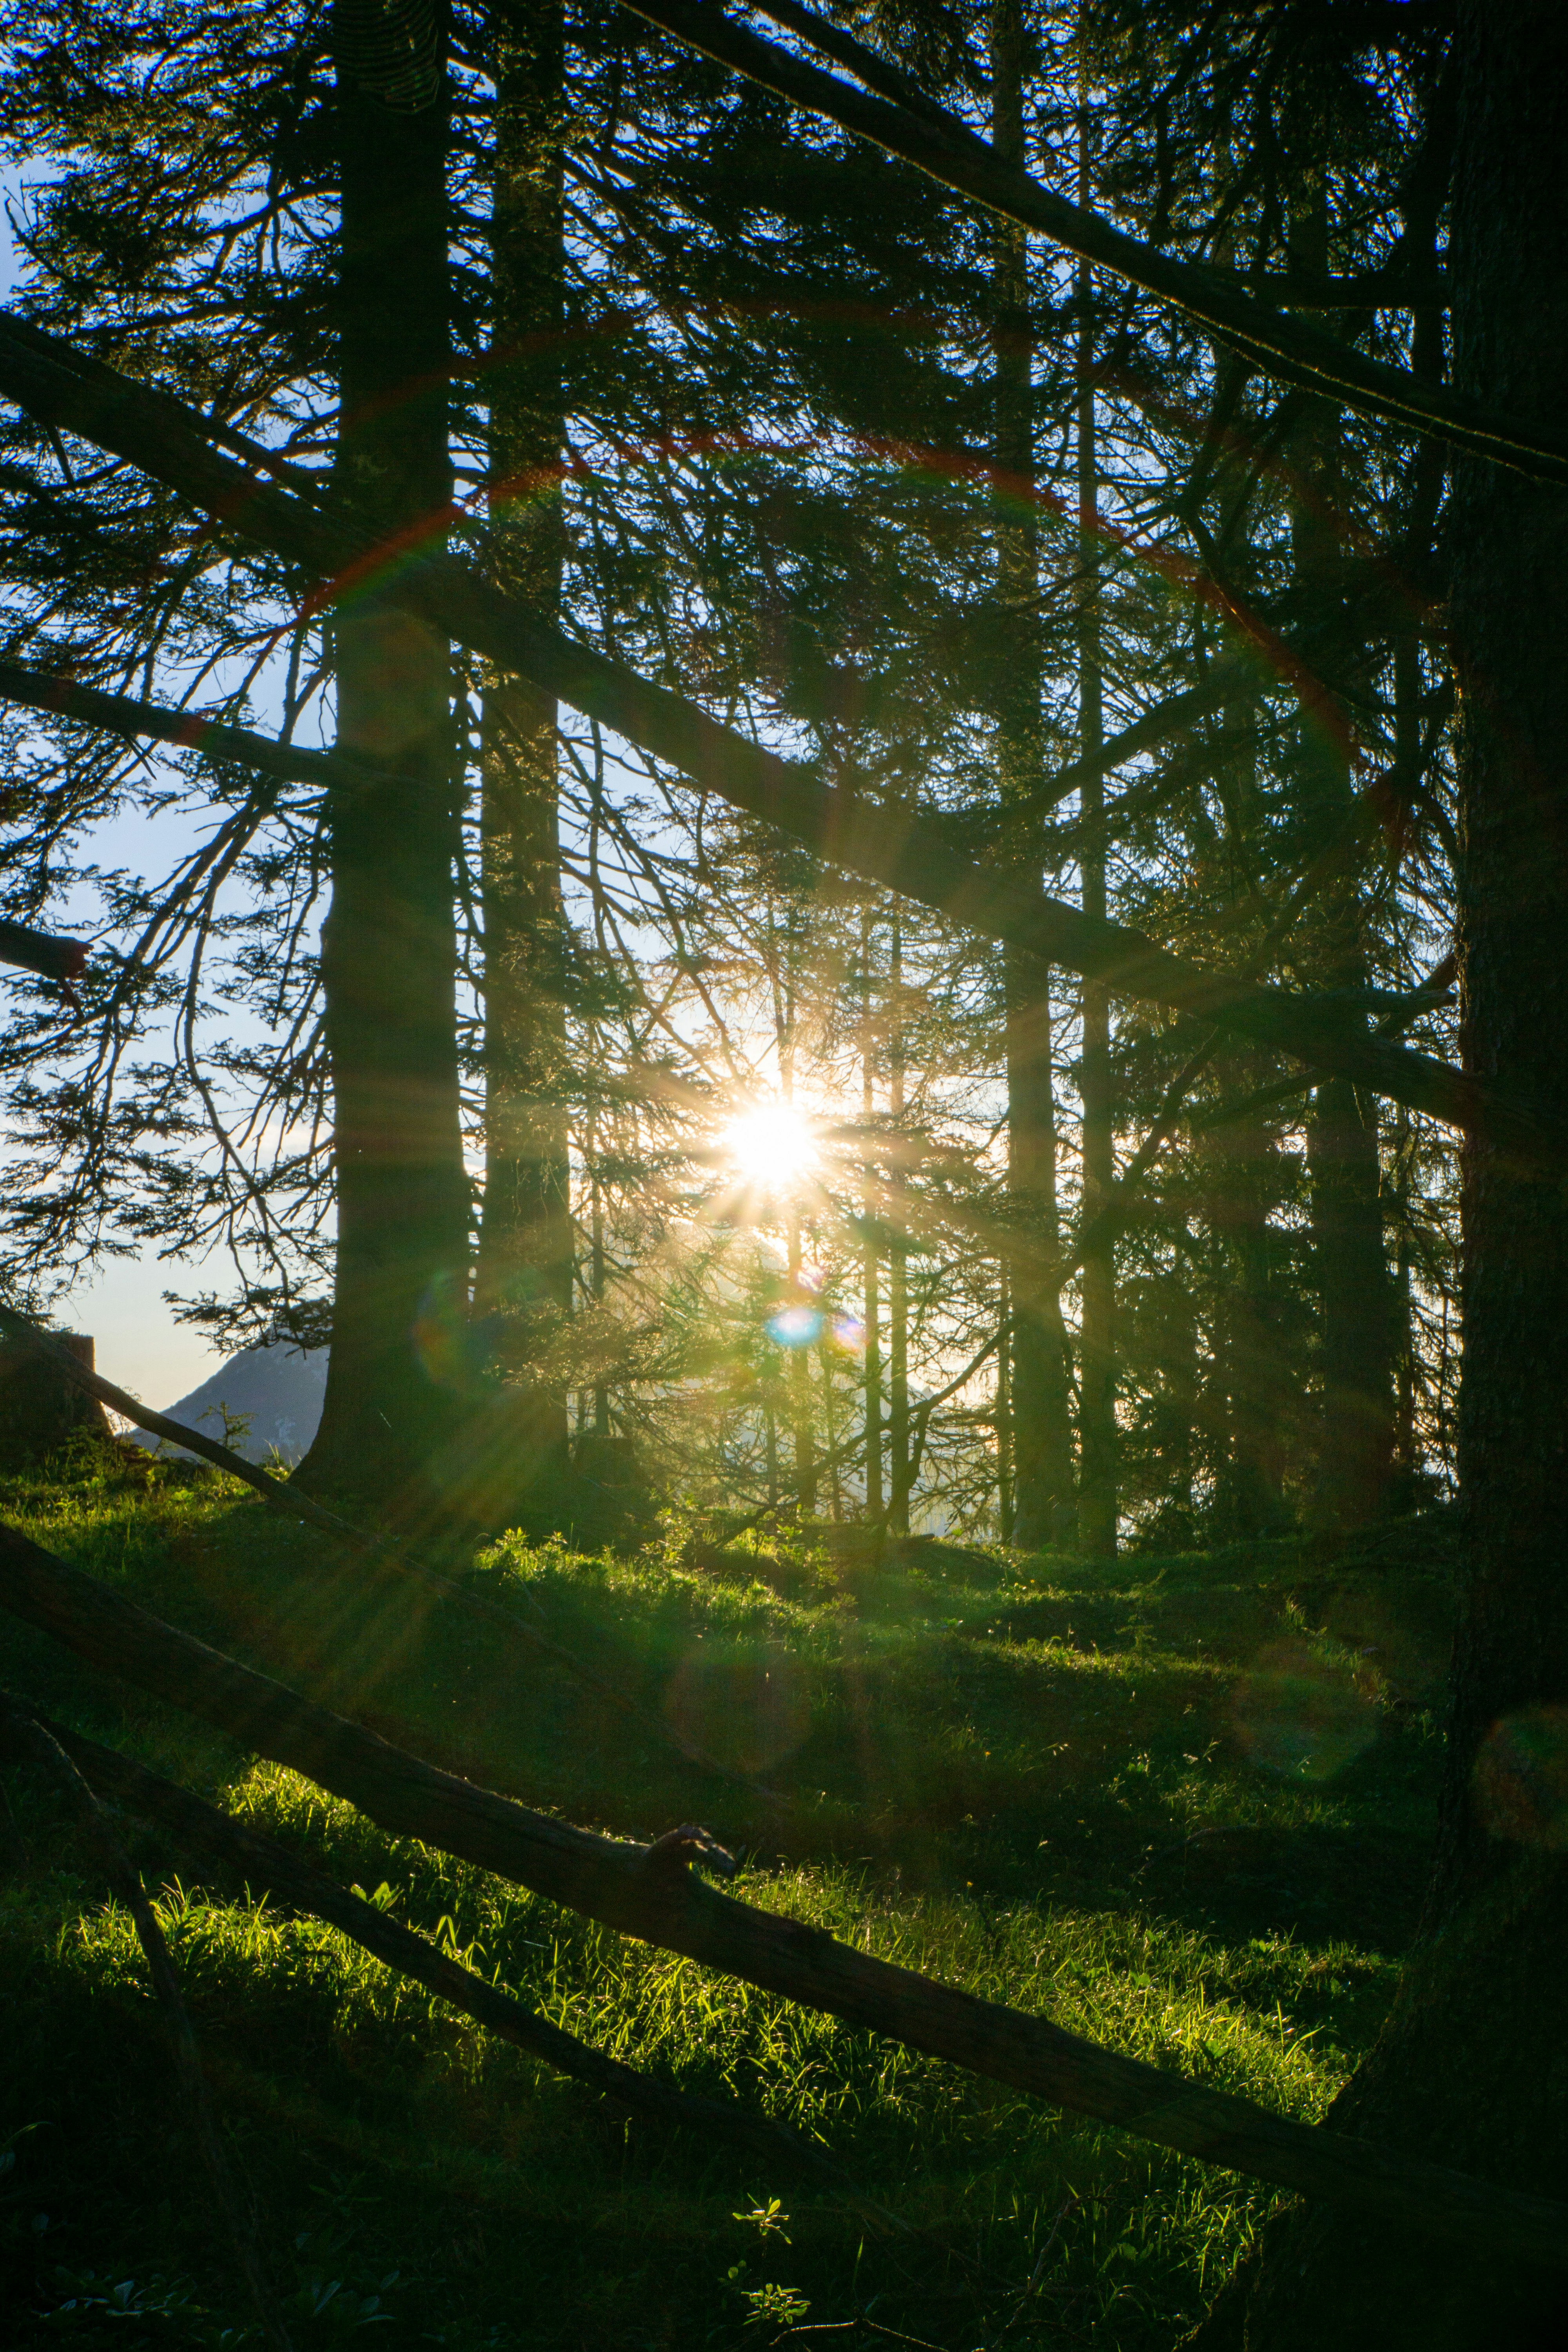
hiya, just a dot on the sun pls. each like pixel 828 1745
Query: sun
pixel 771 1144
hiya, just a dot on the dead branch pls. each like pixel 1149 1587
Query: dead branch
pixel 271 1870
pixel 386 1554
pixel 45 952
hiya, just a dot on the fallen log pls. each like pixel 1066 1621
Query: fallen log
pixel 271 1870
pixel 651 1892
pixel 386 1554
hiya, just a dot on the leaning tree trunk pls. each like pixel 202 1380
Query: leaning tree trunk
pixel 388 946
pixel 1039 1399
pixel 522 1289
pixel 1470 2067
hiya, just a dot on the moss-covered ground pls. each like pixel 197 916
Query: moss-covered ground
pixel 1184 1805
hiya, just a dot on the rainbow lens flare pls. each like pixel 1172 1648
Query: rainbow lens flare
pixel 1522 1777
pixel 1299 1716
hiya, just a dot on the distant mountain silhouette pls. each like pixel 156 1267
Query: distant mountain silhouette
pixel 278 1387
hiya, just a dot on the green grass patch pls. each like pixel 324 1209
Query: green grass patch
pixel 1183 1806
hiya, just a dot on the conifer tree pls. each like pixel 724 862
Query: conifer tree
pixel 389 947
pixel 1038 1401
pixel 523 1273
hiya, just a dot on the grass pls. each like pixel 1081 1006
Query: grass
pixel 1182 1805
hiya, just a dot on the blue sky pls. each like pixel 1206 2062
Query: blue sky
pixel 139 1344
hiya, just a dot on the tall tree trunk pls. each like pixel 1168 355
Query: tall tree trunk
pixel 830 1434
pixel 1039 1395
pixel 1471 2062
pixel 1242 1192
pixel 1356 1301
pixel 597 1259
pixel 1357 1306
pixel 524 1277
pixel 1406 1450
pixel 1003 1408
pixel 388 946
pixel 871 1205
pixel 898 1263
pixel 1097 1508
pixel 801 1409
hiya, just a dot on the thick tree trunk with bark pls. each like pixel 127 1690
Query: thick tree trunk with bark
pixel 1097 1501
pixel 388 946
pixel 1354 1294
pixel 1358 1328
pixel 1470 2069
pixel 523 1282
pixel 1039 1399
pixel 1241 1190
pixel 871 1261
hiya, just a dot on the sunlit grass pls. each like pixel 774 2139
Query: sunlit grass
pixel 1023 1778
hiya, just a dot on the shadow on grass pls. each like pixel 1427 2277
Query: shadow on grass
pixel 1184 1806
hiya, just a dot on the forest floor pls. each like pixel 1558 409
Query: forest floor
pixel 1184 1805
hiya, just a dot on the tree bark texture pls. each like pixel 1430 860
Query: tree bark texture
pixel 1038 1398
pixel 1097 1494
pixel 42 1409
pixel 388 945
pixel 1354 1294
pixel 525 1274
pixel 1489 1977
pixel 1243 1188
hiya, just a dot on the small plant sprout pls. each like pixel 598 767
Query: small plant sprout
pixel 769 2219
pixel 784 2306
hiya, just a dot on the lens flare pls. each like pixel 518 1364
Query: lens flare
pixel 771 1144
pixel 440 1335
pixel 1300 1717
pixel 794 1327
pixel 747 1710
pixel 1522 1777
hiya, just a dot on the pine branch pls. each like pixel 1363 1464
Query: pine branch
pixel 908 853
pixel 1218 299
